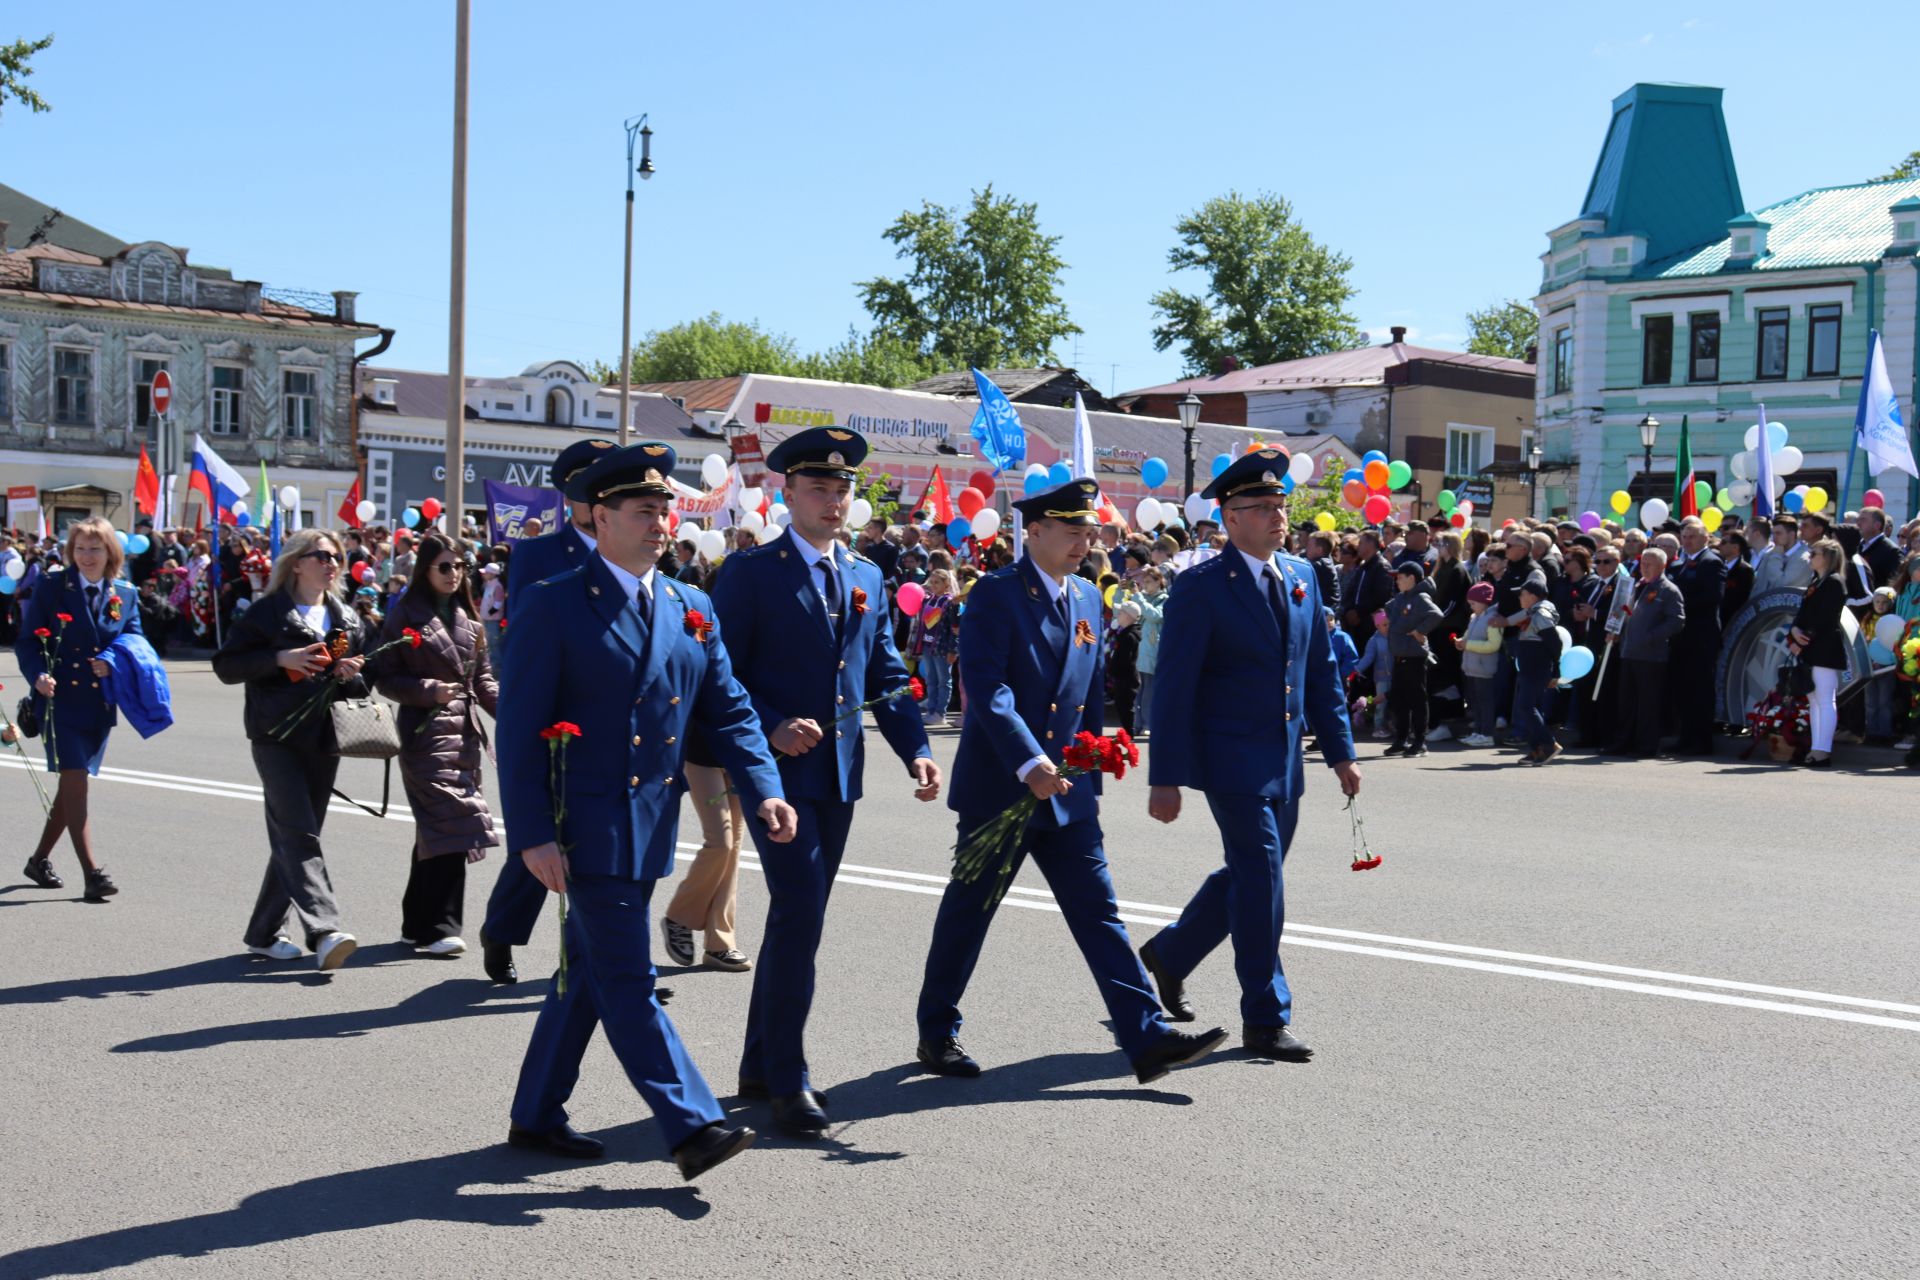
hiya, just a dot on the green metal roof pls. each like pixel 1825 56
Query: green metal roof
pixel 1828 227
pixel 1666 171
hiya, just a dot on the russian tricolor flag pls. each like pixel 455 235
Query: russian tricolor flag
pixel 218 484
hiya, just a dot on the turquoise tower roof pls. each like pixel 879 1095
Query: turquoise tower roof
pixel 1666 171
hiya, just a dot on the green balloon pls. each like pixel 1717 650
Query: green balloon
pixel 1702 493
pixel 1723 500
pixel 1398 473
pixel 1447 501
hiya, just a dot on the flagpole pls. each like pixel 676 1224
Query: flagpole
pixel 1859 421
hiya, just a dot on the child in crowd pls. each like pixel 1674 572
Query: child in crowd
pixel 1376 664
pixel 1480 665
pixel 1411 614
pixel 1346 658
pixel 1123 672
pixel 935 643
pixel 1536 660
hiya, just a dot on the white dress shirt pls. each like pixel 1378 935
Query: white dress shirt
pixel 630 584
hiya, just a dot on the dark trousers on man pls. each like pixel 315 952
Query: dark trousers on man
pixel 515 904
pixel 1643 707
pixel 1407 699
pixel 1691 677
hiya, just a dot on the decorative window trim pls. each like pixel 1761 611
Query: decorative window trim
pixel 229 350
pixel 92 419
pixel 1680 304
pixel 319 380
pixel 76 335
pixel 134 357
pixel 1797 300
pixel 1488 436
pixel 242 427
pixel 154 345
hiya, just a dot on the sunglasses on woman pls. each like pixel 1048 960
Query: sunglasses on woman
pixel 328 557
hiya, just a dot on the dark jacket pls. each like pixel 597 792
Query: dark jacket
pixel 1506 599
pixel 440 744
pixel 1566 594
pixel 1703 582
pixel 1410 615
pixel 1659 614
pixel 1883 563
pixel 1450 585
pixel 1819 617
pixel 1328 581
pixel 250 657
pixel 1736 593
pixel 1373 587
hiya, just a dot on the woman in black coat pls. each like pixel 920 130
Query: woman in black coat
pixel 297 633
pixel 1820 642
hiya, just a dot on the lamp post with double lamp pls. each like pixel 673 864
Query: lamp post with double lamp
pixel 1649 432
pixel 1533 483
pixel 1189 407
pixel 637 129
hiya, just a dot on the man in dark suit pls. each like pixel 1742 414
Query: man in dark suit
pixel 1733 551
pixel 1320 556
pixel 806 626
pixel 1877 549
pixel 1245 665
pixel 1034 676
pixel 517 898
pixel 1654 614
pixel 1702 578
pixel 630 660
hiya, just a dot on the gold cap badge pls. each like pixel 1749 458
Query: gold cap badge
pixel 837 458
pixel 839 435
pixel 1269 453
pixel 656 450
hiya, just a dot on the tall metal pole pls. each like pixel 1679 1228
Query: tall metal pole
pixel 636 128
pixel 457 290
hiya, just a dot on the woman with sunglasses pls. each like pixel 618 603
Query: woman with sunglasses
pixel 301 630
pixel 442 686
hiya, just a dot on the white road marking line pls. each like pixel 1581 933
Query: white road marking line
pixel 1456 956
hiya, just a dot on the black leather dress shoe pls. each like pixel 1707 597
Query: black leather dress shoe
pixel 41 872
pixel 798 1115
pixel 1277 1043
pixel 711 1146
pixel 757 1090
pixel 100 886
pixel 1176 1049
pixel 1173 993
pixel 564 1141
pixel 945 1057
pixel 497 959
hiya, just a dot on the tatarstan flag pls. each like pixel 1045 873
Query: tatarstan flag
pixel 1684 501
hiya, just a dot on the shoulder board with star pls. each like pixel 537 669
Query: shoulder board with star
pixel 1210 565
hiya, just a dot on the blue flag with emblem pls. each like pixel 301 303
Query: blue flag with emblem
pixel 1003 441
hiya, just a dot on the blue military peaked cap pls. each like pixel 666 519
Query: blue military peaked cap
pixel 1254 473
pixel 820 451
pixel 573 462
pixel 640 468
pixel 1071 503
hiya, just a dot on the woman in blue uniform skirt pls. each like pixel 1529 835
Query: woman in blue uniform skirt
pixel 71 619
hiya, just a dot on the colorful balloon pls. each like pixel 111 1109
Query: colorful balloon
pixel 1378 508
pixel 366 510
pixel 1792 501
pixel 1300 470
pixel 859 513
pixel 1702 493
pixel 983 481
pixel 1352 474
pixel 958 531
pixel 987 523
pixel 713 470
pixel 1589 521
pixel 1372 455
pixel 1355 492
pixel 1458 520
pixel 1325 522
pixel 1817 498
pixel 910 597
pixel 1035 485
pixel 430 508
pixel 1723 499
pixel 1446 500
pixel 1153 473
pixel 1221 461
pixel 1620 501
pixel 1060 473
pixel 1653 512
pixel 1377 474
pixel 969 500
pixel 1711 518
pixel 1875 498
pixel 409 517
pixel 1398 475
pixel 1147 514
pixel 1576 662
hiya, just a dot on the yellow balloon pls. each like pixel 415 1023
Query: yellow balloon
pixel 1325 522
pixel 1109 595
pixel 1620 501
pixel 1711 518
pixel 1817 498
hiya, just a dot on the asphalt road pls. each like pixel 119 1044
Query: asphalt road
pixel 1603 1019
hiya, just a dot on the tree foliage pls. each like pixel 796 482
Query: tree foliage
pixel 714 347
pixel 983 289
pixel 1504 329
pixel 16 61
pixel 1908 168
pixel 875 359
pixel 1307 501
pixel 1272 293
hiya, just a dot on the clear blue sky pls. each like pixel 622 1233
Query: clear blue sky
pixel 307 145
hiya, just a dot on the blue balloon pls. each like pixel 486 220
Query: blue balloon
pixel 1792 501
pixel 139 543
pixel 779 498
pixel 410 517
pixel 1286 484
pixel 1221 461
pixel 1214 513
pixel 1059 473
pixel 123 539
pixel 1880 655
pixel 958 531
pixel 1372 455
pixel 244 519
pixel 7 585
pixel 1353 473
pixel 1575 663
pixel 1037 485
pixel 1153 473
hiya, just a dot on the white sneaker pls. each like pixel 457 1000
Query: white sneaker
pixel 1476 740
pixel 1439 733
pixel 448 947
pixel 280 950
pixel 1905 745
pixel 334 950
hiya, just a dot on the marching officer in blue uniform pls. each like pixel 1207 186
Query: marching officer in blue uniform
pixel 1033 673
pixel 514 906
pixel 1245 665
pixel 807 627
pixel 632 659
pixel 75 713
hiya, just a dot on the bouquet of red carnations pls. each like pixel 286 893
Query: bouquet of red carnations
pixel 1783 722
pixel 997 842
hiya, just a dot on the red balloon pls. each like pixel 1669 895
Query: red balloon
pixel 430 508
pixel 362 571
pixel 969 500
pixel 1378 508
pixel 1458 520
pixel 983 481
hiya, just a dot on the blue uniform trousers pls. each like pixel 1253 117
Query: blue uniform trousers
pixel 610 979
pixel 1244 899
pixel 514 906
pixel 1074 862
pixel 799 879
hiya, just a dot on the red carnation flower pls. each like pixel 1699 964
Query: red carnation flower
pixel 697 625
pixel 562 729
pixel 1299 593
pixel 41 633
pixel 917 688
pixel 1124 741
pixel 1365 864
pixel 411 636
pixel 859 598
pixel 64 617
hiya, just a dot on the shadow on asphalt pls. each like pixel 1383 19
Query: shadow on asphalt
pixel 435 1189
pixel 242 968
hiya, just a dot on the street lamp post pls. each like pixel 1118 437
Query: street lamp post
pixel 1649 432
pixel 637 128
pixel 1189 407
pixel 456 442
pixel 1533 483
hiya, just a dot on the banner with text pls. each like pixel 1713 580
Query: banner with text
pixel 510 506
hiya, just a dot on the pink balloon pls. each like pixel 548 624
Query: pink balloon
pixel 910 597
pixel 1875 498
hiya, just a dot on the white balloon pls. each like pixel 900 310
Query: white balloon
pixel 751 498
pixel 1036 470
pixel 1800 489
pixel 1889 630
pixel 1788 460
pixel 986 523
pixel 1775 430
pixel 16 568
pixel 766 533
pixel 1741 491
pixel 753 522
pixel 289 497
pixel 1196 508
pixel 239 506
pixel 1779 486
pixel 778 517
pixel 713 470
pixel 1146 514
pixel 859 512
pixel 366 510
pixel 712 543
pixel 1301 468
pixel 1653 512
pixel 1743 465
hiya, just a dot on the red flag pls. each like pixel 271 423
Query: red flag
pixel 935 499
pixel 146 485
pixel 349 511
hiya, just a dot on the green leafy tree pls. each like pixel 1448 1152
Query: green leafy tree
pixel 877 488
pixel 983 289
pixel 1273 293
pixel 874 359
pixel 15 66
pixel 1504 329
pixel 709 347
pixel 1908 168
pixel 1307 502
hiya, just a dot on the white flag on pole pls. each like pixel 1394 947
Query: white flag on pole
pixel 1082 439
pixel 1876 424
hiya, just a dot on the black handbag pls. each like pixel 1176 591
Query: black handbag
pixel 1798 678
pixel 26 718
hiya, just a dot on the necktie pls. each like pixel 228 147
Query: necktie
pixel 93 602
pixel 643 604
pixel 830 592
pixel 1273 598
pixel 1060 607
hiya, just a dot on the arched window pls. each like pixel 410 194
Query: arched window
pixel 559 408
